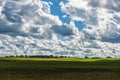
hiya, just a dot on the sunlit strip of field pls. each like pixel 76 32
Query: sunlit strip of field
pixel 62 59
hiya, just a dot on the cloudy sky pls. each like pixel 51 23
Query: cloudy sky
pixel 76 28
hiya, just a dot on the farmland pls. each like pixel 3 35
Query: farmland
pixel 59 69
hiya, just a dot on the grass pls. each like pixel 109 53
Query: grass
pixel 59 69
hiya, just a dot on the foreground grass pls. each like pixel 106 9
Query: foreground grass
pixel 59 69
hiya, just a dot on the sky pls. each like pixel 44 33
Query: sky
pixel 75 28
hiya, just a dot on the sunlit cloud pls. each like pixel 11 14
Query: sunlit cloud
pixel 29 28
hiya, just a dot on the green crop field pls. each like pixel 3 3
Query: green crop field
pixel 59 69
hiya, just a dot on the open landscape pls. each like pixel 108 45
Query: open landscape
pixel 59 69
pixel 59 39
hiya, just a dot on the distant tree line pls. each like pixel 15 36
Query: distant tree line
pixel 50 56
pixel 38 56
pixel 96 57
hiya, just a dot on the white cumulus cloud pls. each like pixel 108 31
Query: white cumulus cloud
pixel 101 17
pixel 27 27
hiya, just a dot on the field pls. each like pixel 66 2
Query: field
pixel 59 69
